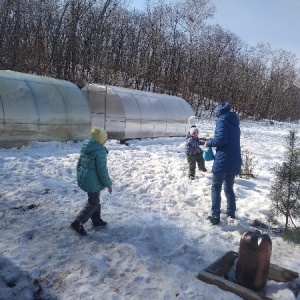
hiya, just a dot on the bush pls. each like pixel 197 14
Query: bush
pixel 247 167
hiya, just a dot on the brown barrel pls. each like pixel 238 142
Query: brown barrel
pixel 253 260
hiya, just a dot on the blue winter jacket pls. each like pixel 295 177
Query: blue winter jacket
pixel 92 173
pixel 192 145
pixel 227 141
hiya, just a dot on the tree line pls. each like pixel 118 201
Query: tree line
pixel 169 49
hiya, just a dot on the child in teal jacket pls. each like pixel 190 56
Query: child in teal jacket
pixel 92 177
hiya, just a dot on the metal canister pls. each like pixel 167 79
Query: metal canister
pixel 253 260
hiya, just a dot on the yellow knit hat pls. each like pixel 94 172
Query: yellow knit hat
pixel 99 135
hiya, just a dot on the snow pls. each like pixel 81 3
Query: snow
pixel 158 237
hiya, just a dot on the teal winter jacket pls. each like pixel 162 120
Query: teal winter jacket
pixel 92 172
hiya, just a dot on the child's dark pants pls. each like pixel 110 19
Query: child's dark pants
pixel 192 160
pixel 92 209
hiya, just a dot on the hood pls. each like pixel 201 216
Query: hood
pixel 222 108
pixel 231 117
pixel 90 145
pixel 223 111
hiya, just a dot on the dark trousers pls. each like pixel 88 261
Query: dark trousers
pixel 92 209
pixel 194 159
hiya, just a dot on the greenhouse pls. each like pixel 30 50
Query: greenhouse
pixel 128 114
pixel 37 108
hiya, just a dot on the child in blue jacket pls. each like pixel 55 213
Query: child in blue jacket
pixel 194 153
pixel 92 177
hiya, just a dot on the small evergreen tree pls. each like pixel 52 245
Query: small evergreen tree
pixel 247 166
pixel 285 193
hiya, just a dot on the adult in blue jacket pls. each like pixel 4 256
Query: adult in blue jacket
pixel 228 160
pixel 92 177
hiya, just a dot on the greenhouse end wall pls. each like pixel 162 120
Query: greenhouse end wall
pixel 128 114
pixel 37 108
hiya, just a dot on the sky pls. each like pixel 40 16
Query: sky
pixel 158 237
pixel 276 22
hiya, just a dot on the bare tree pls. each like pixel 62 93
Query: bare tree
pixel 166 48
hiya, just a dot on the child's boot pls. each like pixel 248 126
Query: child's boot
pixel 78 227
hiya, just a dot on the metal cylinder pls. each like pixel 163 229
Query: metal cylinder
pixel 253 260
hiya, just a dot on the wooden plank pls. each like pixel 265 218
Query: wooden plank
pixel 281 274
pixel 213 275
pixel 223 264
pixel 229 286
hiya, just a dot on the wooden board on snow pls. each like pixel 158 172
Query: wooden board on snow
pixel 214 273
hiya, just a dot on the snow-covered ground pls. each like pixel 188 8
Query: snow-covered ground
pixel 158 237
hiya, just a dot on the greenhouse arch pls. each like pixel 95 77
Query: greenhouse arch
pixel 37 108
pixel 128 114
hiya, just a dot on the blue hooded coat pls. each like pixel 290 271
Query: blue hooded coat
pixel 227 141
pixel 92 172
